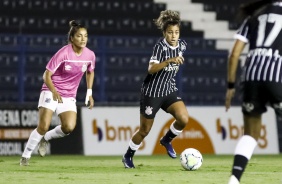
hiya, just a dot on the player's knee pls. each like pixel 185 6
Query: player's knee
pixel 182 120
pixel 144 133
pixel 67 129
pixel 42 128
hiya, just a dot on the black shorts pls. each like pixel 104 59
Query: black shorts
pixel 256 95
pixel 149 106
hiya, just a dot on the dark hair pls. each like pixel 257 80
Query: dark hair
pixel 74 27
pixel 250 8
pixel 167 17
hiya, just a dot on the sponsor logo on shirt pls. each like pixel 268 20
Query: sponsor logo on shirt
pixel 171 68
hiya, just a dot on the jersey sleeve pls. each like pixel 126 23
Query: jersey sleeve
pixel 243 32
pixel 56 61
pixel 157 54
pixel 183 47
pixel 91 67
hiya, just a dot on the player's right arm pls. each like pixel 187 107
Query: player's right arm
pixel 49 83
pixel 155 65
pixel 232 70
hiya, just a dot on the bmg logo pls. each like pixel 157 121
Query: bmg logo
pixel 232 131
pixel 112 133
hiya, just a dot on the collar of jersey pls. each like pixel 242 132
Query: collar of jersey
pixel 170 45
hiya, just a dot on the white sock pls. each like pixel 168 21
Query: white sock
pixel 246 146
pixel 233 180
pixel 54 133
pixel 32 142
pixel 134 146
pixel 174 130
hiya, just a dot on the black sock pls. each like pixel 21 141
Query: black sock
pixel 169 136
pixel 129 152
pixel 239 166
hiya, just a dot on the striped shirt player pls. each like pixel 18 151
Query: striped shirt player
pixel 263 62
pixel 163 82
pixel 159 89
pixel 261 76
pixel 263 33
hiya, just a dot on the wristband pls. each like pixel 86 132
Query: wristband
pixel 231 85
pixel 88 94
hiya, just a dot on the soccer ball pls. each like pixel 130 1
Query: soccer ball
pixel 191 159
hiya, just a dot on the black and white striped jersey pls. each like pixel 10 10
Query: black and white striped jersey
pixel 263 32
pixel 163 82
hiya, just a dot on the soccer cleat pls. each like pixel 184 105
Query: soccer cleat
pixel 169 148
pixel 42 147
pixel 24 161
pixel 233 180
pixel 128 162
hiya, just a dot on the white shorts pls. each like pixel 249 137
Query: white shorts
pixel 46 100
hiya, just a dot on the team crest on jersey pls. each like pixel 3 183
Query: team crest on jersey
pixel 164 48
pixel 84 67
pixel 248 107
pixel 148 110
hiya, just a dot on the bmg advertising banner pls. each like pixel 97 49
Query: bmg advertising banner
pixel 107 131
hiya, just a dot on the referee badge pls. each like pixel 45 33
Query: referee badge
pixel 148 110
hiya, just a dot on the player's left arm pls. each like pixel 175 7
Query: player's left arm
pixel 89 101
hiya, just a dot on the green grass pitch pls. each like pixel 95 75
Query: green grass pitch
pixel 77 169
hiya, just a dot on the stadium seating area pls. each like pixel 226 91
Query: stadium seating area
pixel 225 10
pixel 121 35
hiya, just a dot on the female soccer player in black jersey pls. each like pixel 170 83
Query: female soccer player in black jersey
pixel 159 88
pixel 262 74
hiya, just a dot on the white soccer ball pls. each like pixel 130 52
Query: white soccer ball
pixel 191 159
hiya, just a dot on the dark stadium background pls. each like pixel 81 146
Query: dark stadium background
pixel 122 35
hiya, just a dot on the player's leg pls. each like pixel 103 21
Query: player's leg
pixel 136 141
pixel 179 111
pixel 245 146
pixel 148 108
pixel 46 108
pixel 45 117
pixel 67 114
pixel 254 99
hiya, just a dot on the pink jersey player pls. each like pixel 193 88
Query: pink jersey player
pixel 68 69
pixel 61 80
